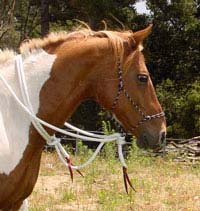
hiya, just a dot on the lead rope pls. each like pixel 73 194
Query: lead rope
pixel 54 141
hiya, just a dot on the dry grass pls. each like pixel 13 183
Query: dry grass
pixel 161 184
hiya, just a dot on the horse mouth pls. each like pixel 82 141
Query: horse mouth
pixel 151 148
pixel 149 143
pixel 144 144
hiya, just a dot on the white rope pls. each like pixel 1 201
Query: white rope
pixel 52 140
pixel 25 96
pixel 91 158
pixel 83 131
pixel 109 138
pixel 120 143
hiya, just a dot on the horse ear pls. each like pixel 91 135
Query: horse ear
pixel 139 36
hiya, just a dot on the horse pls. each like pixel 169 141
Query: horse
pixel 62 70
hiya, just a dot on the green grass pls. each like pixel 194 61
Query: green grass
pixel 161 184
pixel 68 196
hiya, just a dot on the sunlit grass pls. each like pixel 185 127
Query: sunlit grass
pixel 161 184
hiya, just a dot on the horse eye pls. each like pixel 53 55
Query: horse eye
pixel 142 78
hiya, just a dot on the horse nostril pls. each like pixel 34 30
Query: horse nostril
pixel 145 140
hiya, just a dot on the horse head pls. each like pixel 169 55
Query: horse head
pixel 127 91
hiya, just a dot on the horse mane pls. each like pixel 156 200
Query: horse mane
pixel 116 39
pixel 53 37
pixel 5 55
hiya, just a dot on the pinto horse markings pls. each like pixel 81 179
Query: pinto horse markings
pixel 13 121
pixel 61 71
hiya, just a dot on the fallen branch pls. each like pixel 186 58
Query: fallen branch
pixel 186 149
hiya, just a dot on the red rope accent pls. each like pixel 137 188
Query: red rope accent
pixel 127 180
pixel 70 168
pixel 70 164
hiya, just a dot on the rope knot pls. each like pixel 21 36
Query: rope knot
pixel 53 141
pixel 121 140
pixel 147 118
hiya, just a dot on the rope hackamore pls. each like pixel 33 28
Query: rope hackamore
pixel 121 89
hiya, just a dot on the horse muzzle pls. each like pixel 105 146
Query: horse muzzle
pixel 155 142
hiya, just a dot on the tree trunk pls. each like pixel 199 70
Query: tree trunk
pixel 6 16
pixel 44 17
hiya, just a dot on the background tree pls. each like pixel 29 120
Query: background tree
pixel 6 20
pixel 175 40
pixel 174 61
pixel 27 15
pixel 44 17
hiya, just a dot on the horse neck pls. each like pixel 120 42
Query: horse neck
pixel 74 78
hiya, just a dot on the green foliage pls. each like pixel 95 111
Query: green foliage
pixel 182 107
pixel 68 196
pixel 109 149
pixel 134 151
pixel 174 63
pixel 107 128
pixel 7 32
pixel 10 40
pixel 110 199
pixel 93 12
pixel 82 150
pixel 27 15
pixel 174 43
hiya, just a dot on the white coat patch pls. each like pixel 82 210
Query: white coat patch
pixel 14 122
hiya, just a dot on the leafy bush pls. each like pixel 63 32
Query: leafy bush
pixel 181 103
pixel 109 150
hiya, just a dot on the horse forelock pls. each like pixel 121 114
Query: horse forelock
pixel 131 58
